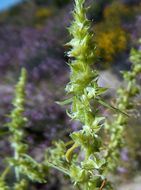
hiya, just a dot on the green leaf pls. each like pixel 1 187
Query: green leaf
pixel 62 103
pixel 99 100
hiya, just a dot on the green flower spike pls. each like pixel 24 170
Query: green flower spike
pixel 83 159
pixel 125 103
pixel 22 162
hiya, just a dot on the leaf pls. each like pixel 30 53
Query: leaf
pixel 70 152
pixel 98 163
pixel 110 106
pixel 62 103
pixel 77 174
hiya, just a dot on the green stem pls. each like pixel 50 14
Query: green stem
pixel 58 168
pixel 16 156
pixel 5 172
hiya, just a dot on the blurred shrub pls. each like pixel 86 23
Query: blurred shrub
pixel 43 12
pixel 130 2
pixel 96 10
pixel 58 3
pixel 42 53
pixel 15 15
pixel 117 12
pixel 137 9
pixel 110 43
pixel 42 2
pixel 61 3
pixel 111 37
pixel 41 15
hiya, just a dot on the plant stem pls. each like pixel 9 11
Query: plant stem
pixel 57 167
pixel 5 172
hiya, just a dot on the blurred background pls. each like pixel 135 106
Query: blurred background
pixel 33 34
